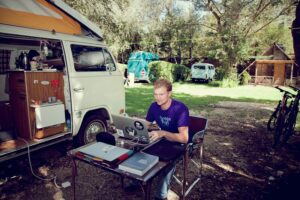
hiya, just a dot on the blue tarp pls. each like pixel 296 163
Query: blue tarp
pixel 138 64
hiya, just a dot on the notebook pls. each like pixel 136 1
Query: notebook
pixel 131 128
pixel 165 150
pixel 139 164
pixel 104 151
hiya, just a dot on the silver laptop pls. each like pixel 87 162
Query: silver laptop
pixel 131 128
pixel 104 151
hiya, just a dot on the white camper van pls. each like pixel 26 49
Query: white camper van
pixel 58 80
pixel 202 72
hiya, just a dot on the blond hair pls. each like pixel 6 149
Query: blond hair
pixel 163 83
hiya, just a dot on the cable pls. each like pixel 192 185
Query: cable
pixel 30 165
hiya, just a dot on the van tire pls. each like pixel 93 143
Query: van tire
pixel 90 127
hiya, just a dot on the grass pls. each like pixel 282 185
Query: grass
pixel 199 96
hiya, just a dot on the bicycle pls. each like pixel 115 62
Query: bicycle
pixel 278 120
pixel 281 108
pixel 290 123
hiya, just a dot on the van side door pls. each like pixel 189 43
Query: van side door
pixel 94 80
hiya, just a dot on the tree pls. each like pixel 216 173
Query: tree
pixel 296 34
pixel 237 20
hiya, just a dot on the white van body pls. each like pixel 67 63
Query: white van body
pixel 202 72
pixel 72 94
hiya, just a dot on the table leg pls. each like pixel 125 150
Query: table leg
pixel 74 174
pixel 147 190
pixel 122 181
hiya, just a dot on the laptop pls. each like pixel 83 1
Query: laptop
pixel 131 128
pixel 165 150
pixel 104 151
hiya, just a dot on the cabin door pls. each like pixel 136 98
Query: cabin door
pixel 279 71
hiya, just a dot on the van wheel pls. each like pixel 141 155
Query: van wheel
pixel 91 126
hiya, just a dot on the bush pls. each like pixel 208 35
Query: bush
pixel 170 71
pixel 220 73
pixel 227 78
pixel 215 83
pixel 245 77
pixel 227 82
pixel 181 73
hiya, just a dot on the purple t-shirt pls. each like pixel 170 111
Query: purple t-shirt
pixel 177 115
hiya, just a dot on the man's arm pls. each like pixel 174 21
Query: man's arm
pixel 181 137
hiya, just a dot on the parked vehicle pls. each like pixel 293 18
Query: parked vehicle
pixel 202 72
pixel 60 91
pixel 138 64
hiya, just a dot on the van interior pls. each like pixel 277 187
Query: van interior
pixel 34 93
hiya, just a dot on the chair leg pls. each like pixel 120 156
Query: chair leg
pixel 201 157
pixel 185 166
pixel 184 188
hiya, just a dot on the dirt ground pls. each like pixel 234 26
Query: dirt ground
pixel 239 163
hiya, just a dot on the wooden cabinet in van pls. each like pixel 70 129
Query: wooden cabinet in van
pixel 25 89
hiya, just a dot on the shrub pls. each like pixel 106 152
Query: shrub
pixel 227 82
pixel 160 69
pixel 245 77
pixel 181 73
pixel 220 73
pixel 170 71
pixel 215 83
pixel 227 78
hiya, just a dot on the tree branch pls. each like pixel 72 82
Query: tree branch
pixel 273 19
pixel 217 16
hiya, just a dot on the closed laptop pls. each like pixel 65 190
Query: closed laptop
pixel 165 150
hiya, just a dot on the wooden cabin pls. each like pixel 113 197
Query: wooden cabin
pixel 274 67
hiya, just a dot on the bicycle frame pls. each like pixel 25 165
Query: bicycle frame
pixel 279 118
pixel 279 110
pixel 290 123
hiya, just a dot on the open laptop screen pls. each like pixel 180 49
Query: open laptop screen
pixel 131 128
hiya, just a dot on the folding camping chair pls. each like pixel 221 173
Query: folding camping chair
pixel 193 154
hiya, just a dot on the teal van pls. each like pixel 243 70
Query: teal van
pixel 138 64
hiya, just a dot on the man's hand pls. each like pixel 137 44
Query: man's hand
pixel 181 137
pixel 155 135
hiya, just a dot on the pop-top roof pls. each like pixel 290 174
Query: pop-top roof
pixel 52 15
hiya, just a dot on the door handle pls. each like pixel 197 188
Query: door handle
pixel 78 89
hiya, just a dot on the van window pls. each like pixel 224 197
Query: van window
pixel 88 58
pixel 5 55
pixel 199 67
pixel 40 54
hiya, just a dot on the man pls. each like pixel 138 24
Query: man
pixel 172 117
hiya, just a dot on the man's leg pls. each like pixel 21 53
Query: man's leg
pixel 164 182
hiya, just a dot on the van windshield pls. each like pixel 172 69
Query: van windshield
pixel 199 67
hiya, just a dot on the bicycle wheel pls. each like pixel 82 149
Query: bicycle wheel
pixel 289 127
pixel 273 119
pixel 283 113
pixel 278 130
